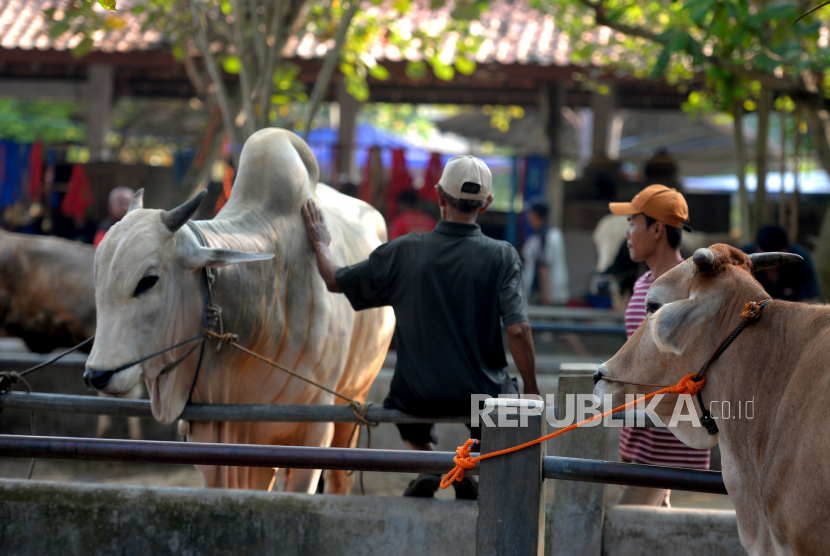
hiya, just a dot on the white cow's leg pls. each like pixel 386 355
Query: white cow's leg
pixel 312 434
pixel 104 424
pixel 337 481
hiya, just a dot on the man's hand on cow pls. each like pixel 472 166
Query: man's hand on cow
pixel 318 234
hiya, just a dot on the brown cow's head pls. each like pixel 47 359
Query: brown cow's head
pixel 691 310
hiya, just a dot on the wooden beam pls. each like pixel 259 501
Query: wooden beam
pixel 54 89
pixel 602 107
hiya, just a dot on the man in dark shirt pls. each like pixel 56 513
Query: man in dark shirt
pixel 792 282
pixel 449 289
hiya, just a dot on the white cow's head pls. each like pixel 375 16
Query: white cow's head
pixel 149 296
pixel 691 310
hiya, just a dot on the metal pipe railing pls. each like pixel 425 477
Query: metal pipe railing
pixel 94 405
pixel 396 461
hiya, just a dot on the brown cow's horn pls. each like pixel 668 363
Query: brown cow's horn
pixel 176 218
pixel 138 200
pixel 703 258
pixel 761 261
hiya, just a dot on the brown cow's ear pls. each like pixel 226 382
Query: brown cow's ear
pixel 676 325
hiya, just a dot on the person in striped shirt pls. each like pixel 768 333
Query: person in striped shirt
pixel 657 216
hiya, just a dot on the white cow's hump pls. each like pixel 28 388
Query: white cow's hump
pixel 277 172
pixel 355 217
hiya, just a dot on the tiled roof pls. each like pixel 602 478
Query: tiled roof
pixel 23 25
pixel 511 32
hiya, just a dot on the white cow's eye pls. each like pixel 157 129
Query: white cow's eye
pixel 145 284
pixel 652 307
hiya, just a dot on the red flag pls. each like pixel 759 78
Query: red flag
pixel 36 173
pixel 431 177
pixel 399 182
pixel 78 194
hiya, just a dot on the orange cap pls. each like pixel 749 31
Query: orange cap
pixel 664 204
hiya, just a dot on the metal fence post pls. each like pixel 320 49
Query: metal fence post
pixel 511 497
pixel 578 508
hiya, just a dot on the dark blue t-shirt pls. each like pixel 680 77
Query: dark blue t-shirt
pixel 449 289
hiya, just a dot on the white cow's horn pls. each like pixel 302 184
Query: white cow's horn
pixel 176 218
pixel 703 258
pixel 138 200
pixel 760 261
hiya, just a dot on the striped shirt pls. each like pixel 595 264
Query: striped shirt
pixel 654 446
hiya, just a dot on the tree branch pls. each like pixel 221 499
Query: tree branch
pixel 220 92
pixel 274 50
pixel 324 77
pixel 249 125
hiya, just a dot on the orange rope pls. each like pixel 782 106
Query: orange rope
pixel 463 461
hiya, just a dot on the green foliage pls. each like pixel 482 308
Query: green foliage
pixel 41 120
pixel 681 42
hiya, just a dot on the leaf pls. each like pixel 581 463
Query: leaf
pixel 107 4
pixel 436 4
pixel 416 70
pixel 401 6
pixel 379 72
pixel 84 47
pixel 59 28
pixel 464 65
pixel 232 65
pixel 465 10
pixel 441 70
pixel 225 6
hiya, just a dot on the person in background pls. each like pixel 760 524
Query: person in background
pixel 452 289
pixel 119 204
pixel 657 216
pixel 546 271
pixel 792 282
pixel 410 219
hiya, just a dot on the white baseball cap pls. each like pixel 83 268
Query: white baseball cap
pixel 466 169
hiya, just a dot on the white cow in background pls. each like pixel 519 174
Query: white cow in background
pixel 150 296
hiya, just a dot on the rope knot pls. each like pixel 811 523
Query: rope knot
pixel 688 385
pixel 228 338
pixel 752 311
pixel 7 379
pixel 359 410
pixel 463 461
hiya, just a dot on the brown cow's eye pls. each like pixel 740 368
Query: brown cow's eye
pixel 652 307
pixel 145 284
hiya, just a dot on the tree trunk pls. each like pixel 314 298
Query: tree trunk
pixel 740 158
pixel 764 109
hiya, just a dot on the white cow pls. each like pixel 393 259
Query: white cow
pixel 150 296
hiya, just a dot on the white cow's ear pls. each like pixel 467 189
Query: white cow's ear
pixel 677 324
pixel 206 256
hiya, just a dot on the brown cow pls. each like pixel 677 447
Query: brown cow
pixel 47 295
pixel 766 392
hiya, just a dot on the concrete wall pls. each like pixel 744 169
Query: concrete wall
pixel 70 519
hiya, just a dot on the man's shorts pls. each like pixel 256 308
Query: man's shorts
pixel 424 433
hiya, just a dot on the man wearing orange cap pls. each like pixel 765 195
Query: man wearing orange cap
pixel 657 216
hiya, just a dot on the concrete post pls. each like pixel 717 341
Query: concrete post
pixel 99 90
pixel 603 107
pixel 349 109
pixel 551 100
pixel 511 495
pixel 578 508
